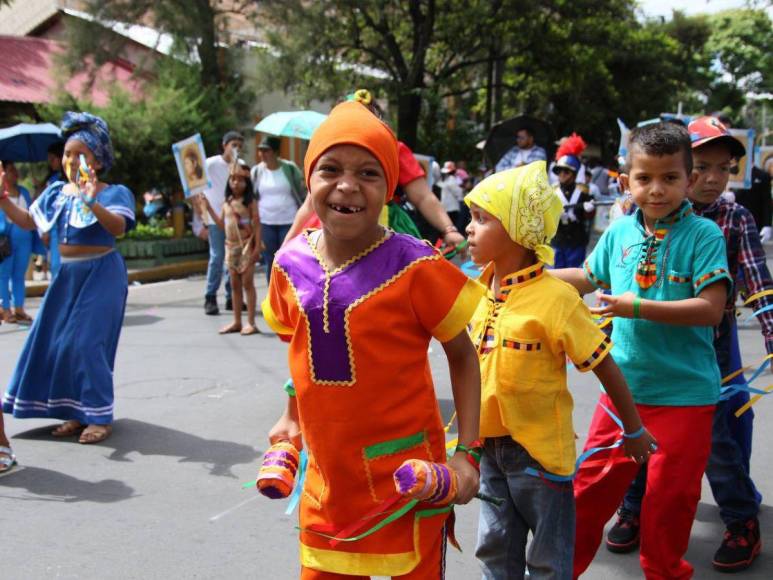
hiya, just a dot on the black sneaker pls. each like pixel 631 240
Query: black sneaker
pixel 210 305
pixel 623 537
pixel 739 547
pixel 229 305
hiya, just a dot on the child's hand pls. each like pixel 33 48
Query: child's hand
pixel 88 187
pixel 286 429
pixel 640 448
pixel 620 305
pixel 467 478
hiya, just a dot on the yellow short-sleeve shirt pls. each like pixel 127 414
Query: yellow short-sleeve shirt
pixel 524 335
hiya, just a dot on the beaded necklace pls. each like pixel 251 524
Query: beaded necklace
pixel 646 270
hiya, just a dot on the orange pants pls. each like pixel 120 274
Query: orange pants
pixel 432 565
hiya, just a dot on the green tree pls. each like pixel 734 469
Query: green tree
pixel 740 49
pixel 173 108
pixel 450 68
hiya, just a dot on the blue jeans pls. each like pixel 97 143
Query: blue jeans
pixel 531 504
pixel 272 237
pixel 728 466
pixel 14 267
pixel 216 262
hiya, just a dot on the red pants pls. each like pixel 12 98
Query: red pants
pixel 431 567
pixel 673 486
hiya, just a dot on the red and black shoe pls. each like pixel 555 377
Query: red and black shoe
pixel 740 546
pixel 623 537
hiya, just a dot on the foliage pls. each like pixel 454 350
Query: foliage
pixel 449 68
pixel 740 48
pixel 150 232
pixel 577 62
pixel 198 29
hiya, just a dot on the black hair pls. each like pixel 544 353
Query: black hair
pixel 249 191
pixel 528 130
pixel 660 139
pixel 56 148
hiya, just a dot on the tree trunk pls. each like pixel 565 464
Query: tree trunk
pixel 207 49
pixel 489 88
pixel 499 69
pixel 408 110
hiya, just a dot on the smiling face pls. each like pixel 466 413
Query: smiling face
pixel 487 237
pixel 711 168
pixel 348 189
pixel 658 183
pixel 73 149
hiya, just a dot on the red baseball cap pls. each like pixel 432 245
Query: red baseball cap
pixel 708 129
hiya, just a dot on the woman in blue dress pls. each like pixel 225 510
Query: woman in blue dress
pixel 66 366
pixel 13 269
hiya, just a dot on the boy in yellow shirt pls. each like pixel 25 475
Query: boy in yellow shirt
pixel 524 330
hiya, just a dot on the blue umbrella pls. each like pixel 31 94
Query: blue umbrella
pixel 28 142
pixel 298 124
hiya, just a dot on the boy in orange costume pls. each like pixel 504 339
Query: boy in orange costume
pixel 359 305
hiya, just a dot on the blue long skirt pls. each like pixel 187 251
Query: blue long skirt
pixel 65 370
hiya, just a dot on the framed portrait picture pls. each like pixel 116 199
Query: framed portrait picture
pixel 742 178
pixel 191 164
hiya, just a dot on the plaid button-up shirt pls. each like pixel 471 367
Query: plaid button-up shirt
pixel 746 257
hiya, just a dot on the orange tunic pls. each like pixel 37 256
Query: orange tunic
pixel 358 358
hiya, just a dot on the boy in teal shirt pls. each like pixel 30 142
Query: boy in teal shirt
pixel 667 271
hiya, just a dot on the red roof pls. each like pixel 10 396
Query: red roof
pixel 28 73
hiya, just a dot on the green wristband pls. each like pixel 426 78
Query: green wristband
pixel 636 307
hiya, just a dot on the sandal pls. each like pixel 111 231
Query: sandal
pixel 231 328
pixel 95 434
pixel 22 317
pixel 7 459
pixel 9 317
pixel 67 429
pixel 250 329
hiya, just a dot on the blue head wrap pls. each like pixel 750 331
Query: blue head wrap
pixel 92 132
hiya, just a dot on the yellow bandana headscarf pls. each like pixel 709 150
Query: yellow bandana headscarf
pixel 524 202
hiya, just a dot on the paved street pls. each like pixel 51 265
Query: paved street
pixel 162 498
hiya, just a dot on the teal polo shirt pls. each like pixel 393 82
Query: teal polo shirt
pixel 663 364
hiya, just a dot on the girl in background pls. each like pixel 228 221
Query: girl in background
pixel 240 219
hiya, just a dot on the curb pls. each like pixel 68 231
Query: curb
pixel 156 274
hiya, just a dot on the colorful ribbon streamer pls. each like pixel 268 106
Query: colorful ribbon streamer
pixel 345 534
pixel 585 455
pixel 754 297
pixel 295 497
pixel 730 390
pixel 758 312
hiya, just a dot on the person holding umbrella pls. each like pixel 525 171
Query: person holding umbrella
pixel 65 369
pixel 524 151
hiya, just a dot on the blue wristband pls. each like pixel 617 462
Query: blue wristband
pixel 636 434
